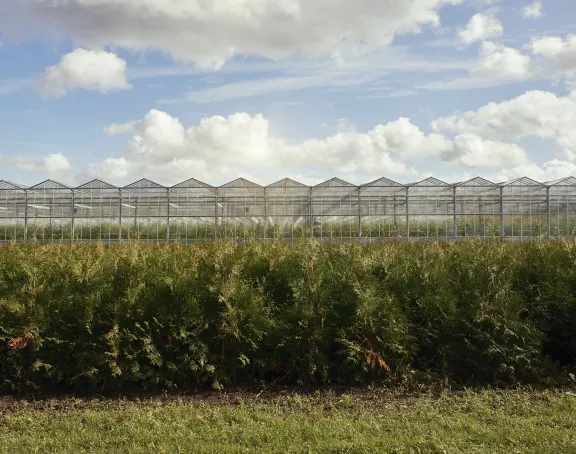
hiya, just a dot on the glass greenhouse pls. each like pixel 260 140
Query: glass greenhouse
pixel 382 210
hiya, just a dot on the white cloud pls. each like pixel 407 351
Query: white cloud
pixel 559 56
pixel 560 51
pixel 497 64
pixel 86 69
pixel 319 74
pixel 533 114
pixel 54 166
pixel 114 129
pixel 407 140
pixel 469 150
pixel 533 11
pixel 549 171
pixel 221 148
pixel 113 169
pixel 209 33
pixel 499 61
pixel 482 26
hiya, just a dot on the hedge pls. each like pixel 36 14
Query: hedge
pixel 112 318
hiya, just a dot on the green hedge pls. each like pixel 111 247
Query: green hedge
pixel 218 314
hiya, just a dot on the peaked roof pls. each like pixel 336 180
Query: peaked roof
pixel 9 185
pixel 192 183
pixel 475 182
pixel 50 184
pixel 241 183
pixel 97 184
pixel 287 183
pixel 569 181
pixel 144 184
pixel 430 182
pixel 334 182
pixel 523 181
pixel 383 182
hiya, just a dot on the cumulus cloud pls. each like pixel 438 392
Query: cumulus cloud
pixel 219 149
pixel 209 33
pixel 500 61
pixel 222 147
pixel 532 11
pixel 560 52
pixel 86 69
pixel 482 26
pixel 533 114
pixel 473 151
pixel 54 166
pixel 470 150
pixel 549 171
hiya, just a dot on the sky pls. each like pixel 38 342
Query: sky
pixel 265 89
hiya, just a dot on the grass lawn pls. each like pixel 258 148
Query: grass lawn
pixel 327 422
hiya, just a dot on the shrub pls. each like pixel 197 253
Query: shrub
pixel 95 317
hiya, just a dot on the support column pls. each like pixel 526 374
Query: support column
pixel 549 230
pixel 266 214
pixel 502 213
pixel 454 209
pixel 311 220
pixel 168 215
pixel 25 215
pixel 407 214
pixel 73 216
pixel 119 215
pixel 215 214
pixel 359 212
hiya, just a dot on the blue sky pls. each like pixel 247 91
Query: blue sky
pixel 166 89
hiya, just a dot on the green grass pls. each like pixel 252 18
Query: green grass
pixel 369 422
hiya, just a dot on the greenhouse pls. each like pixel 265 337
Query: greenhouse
pixel 335 210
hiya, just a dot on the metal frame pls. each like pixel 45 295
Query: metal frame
pixel 524 204
pixel 335 210
pixel 561 197
pixel 383 210
pixel 477 209
pixel 430 213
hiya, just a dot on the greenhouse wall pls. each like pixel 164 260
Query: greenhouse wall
pixel 335 210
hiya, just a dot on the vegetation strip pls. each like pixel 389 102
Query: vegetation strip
pixel 93 318
pixel 473 422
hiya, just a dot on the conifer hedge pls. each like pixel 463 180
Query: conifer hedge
pixel 101 318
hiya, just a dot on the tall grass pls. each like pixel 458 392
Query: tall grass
pixel 221 314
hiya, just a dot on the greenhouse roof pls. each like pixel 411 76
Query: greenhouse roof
pixel 144 183
pixel 287 183
pixel 50 184
pixel 430 182
pixel 383 182
pixel 9 185
pixel 241 183
pixel 192 183
pixel 334 182
pixel 97 184
pixel 476 182
pixel 523 181
pixel 569 181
